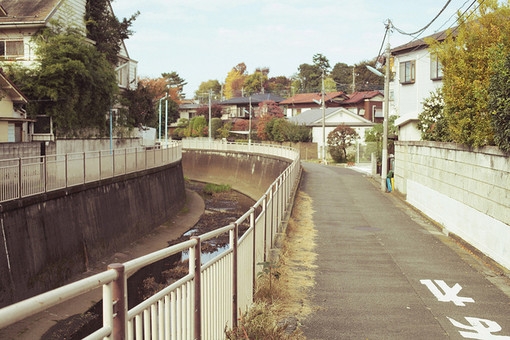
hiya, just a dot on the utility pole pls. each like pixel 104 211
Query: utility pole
pixel 210 114
pixel 353 80
pixel 249 128
pixel 384 167
pixel 323 122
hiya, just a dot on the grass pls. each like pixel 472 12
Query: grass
pixel 282 290
pixel 211 188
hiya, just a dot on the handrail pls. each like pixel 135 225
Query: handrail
pixel 27 176
pixel 207 299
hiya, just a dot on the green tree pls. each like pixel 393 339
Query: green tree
pixel 339 140
pixel 342 75
pixel 105 29
pixel 256 82
pixel 73 82
pixel 366 80
pixel 175 82
pixel 322 63
pixel 197 127
pixel 203 90
pixel 468 60
pixel 499 100
pixel 138 106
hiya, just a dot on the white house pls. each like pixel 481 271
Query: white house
pixel 21 19
pixel 417 74
pixel 334 117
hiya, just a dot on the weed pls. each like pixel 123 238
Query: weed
pixel 211 188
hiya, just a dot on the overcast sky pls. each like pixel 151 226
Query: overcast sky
pixel 204 39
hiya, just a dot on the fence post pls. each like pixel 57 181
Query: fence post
pixel 119 302
pixel 197 315
pixel 20 190
pixel 84 168
pixel 234 276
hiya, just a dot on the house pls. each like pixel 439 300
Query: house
pixel 334 116
pixel 21 19
pixel 14 124
pixel 417 74
pixel 301 102
pixel 239 107
pixel 367 104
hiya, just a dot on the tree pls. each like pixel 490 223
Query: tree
pixel 279 85
pixel 235 81
pixel 366 80
pixel 431 120
pixel 216 111
pixel 309 77
pixel 342 75
pixel 468 60
pixel 175 84
pixel 105 29
pixel 322 63
pixel 499 101
pixel 339 140
pixel 256 82
pixel 139 106
pixel 205 87
pixel 73 82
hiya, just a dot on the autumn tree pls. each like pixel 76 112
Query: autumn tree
pixel 216 111
pixel 468 60
pixel 279 85
pixel 339 140
pixel 235 81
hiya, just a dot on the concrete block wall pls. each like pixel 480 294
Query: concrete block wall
pixel 467 191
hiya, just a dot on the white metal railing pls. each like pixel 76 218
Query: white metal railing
pixel 208 298
pixel 22 177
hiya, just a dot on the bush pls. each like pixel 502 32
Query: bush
pixel 338 140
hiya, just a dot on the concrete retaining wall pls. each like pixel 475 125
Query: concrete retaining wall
pixel 49 238
pixel 250 174
pixel 466 191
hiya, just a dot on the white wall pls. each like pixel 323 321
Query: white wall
pixel 408 98
pixel 466 191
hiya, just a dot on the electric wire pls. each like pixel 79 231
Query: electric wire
pixel 426 26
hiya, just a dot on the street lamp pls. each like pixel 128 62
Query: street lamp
pixel 384 158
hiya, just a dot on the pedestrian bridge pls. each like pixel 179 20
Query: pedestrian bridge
pixel 212 293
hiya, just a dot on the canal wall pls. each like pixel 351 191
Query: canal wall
pixel 49 238
pixel 248 173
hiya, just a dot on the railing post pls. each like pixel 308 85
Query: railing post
pixel 119 302
pixel 20 190
pixel 100 168
pixel 84 168
pixel 234 276
pixel 197 315
pixel 65 170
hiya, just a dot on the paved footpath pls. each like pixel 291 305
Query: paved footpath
pixel 385 272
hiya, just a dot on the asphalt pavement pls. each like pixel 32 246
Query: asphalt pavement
pixel 386 272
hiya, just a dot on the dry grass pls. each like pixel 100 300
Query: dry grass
pixel 282 296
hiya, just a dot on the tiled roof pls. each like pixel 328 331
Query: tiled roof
pixel 306 98
pixel 357 97
pixel 26 11
pixel 255 99
pixel 420 43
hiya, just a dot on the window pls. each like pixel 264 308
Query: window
pixel 436 69
pixel 10 49
pixel 407 72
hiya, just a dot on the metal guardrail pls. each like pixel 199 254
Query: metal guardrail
pixel 206 300
pixel 22 177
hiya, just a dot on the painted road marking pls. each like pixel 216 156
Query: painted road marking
pixel 448 294
pixel 480 329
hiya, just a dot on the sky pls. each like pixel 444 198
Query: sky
pixel 204 39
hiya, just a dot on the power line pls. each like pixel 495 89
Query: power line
pixel 426 26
